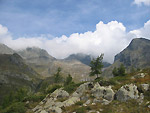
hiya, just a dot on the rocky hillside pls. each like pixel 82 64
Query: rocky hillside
pixel 46 65
pixel 14 73
pixel 118 95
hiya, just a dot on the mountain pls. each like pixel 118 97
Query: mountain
pixel 5 50
pixel 35 55
pixel 14 74
pixel 136 55
pixel 84 58
pixel 47 66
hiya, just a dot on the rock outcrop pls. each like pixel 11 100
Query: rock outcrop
pixel 127 92
pixel 89 94
pixel 103 92
pixel 60 98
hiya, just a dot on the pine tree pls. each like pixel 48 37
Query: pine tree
pixel 96 66
pixel 68 80
pixel 119 71
pixel 57 76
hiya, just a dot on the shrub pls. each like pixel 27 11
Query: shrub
pixel 119 71
pixel 35 97
pixel 52 88
pixel 68 80
pixel 98 79
pixel 79 103
pixel 81 110
pixel 72 87
pixel 17 107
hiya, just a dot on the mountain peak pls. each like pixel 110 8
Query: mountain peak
pixel 35 52
pixel 137 43
pixel 5 49
pixel 136 54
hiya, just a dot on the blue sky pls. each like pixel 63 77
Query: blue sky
pixel 64 17
pixel 64 27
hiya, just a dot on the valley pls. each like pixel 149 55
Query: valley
pixel 32 81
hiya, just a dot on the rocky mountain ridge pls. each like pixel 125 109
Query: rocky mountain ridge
pixel 135 56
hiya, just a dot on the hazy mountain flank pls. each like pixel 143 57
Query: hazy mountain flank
pixel 84 58
pixel 47 66
pixel 5 50
pixel 14 73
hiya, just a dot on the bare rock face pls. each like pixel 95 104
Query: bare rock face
pixel 82 89
pixel 103 92
pixel 59 93
pixel 145 87
pixel 127 92
pixel 71 101
pixel 51 103
pixel 136 54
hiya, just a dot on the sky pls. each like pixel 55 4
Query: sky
pixel 64 27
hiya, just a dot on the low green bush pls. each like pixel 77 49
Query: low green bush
pixel 70 88
pixel 35 97
pixel 52 88
pixel 17 107
pixel 80 110
pixel 79 103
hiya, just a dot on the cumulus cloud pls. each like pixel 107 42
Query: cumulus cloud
pixel 110 39
pixel 143 32
pixel 140 2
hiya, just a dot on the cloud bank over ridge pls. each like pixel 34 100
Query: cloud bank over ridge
pixel 110 39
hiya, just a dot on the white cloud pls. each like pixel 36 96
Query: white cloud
pixel 140 2
pixel 143 32
pixel 110 39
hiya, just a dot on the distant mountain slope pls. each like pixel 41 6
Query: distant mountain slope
pixel 47 65
pixel 14 73
pixel 136 55
pixel 5 50
pixel 35 55
pixel 84 58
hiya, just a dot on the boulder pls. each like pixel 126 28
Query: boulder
pixel 82 89
pixel 43 111
pixel 103 92
pixel 60 94
pixel 102 101
pixel 145 87
pixel 127 92
pixel 71 101
pixel 55 110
